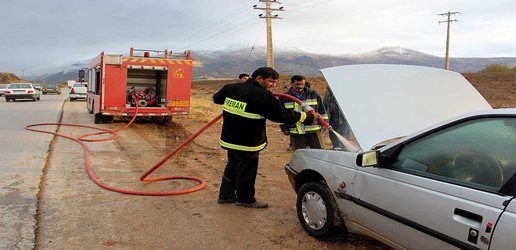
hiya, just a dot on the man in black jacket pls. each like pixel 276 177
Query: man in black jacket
pixel 246 108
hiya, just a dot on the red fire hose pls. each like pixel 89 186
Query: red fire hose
pixel 82 139
pixel 307 108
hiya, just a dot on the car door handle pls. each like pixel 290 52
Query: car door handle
pixel 467 217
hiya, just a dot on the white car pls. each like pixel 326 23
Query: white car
pixel 78 91
pixel 3 87
pixel 447 179
pixel 17 91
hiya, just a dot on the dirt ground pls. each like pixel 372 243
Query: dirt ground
pixel 74 213
pixel 499 89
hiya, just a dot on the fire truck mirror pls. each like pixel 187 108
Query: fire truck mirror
pixel 81 74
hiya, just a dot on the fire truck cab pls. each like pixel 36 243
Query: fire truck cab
pixel 159 82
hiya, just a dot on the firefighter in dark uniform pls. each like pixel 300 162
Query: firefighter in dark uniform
pixel 301 135
pixel 246 108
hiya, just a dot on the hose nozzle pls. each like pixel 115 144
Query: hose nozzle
pixel 307 108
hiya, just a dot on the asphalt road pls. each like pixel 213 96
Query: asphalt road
pixel 22 160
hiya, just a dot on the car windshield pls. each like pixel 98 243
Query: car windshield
pixel 79 85
pixel 19 86
pixel 4 86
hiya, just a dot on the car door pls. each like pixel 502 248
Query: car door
pixel 503 233
pixel 442 189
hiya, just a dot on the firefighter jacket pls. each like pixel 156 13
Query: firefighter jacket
pixel 246 108
pixel 311 98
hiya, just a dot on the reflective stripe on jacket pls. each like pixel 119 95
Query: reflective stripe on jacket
pixel 246 108
pixel 311 98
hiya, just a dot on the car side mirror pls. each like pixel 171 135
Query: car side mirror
pixel 368 159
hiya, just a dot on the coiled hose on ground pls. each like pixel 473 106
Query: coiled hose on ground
pixel 144 178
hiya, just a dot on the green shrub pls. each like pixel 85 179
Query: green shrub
pixel 499 68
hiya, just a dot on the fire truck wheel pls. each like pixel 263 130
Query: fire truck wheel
pixel 167 119
pixel 98 118
pixel 88 107
pixel 157 119
pixel 107 119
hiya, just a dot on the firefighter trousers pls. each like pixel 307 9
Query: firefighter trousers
pixel 311 140
pixel 240 176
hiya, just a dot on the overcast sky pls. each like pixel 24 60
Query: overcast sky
pixel 37 35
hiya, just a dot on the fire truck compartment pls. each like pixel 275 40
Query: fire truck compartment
pixel 148 84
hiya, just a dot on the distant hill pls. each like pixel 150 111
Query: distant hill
pixel 59 77
pixel 230 63
pixel 7 77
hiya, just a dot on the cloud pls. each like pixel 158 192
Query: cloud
pixel 40 33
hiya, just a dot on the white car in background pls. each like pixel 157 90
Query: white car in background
pixel 78 91
pixel 17 91
pixel 447 179
pixel 3 87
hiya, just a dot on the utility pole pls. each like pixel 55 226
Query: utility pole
pixel 448 21
pixel 22 69
pixel 268 16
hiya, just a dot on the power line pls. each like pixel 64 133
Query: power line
pixel 259 35
pixel 448 21
pixel 296 8
pixel 233 29
pixel 203 32
pixel 302 2
pixel 216 28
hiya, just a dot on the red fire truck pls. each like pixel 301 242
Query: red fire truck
pixel 159 82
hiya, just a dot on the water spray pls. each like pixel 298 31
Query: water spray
pixel 347 144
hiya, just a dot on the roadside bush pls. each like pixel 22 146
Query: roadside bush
pixel 497 68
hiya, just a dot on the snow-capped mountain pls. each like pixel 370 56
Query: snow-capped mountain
pixel 231 62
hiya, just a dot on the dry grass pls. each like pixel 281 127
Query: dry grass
pixel 203 108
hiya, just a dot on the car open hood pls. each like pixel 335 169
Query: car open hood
pixel 383 101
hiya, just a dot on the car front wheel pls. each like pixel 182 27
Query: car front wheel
pixel 317 210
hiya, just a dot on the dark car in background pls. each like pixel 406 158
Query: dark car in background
pixel 51 88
